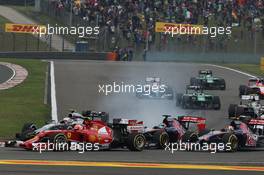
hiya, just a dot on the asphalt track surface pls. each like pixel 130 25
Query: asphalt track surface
pixel 5 73
pixel 43 170
pixel 77 88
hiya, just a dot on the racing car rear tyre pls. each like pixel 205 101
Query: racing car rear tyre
pixel 216 103
pixel 243 90
pixel 190 137
pixel 136 142
pixel 223 85
pixel 28 126
pixel 194 82
pixel 185 102
pixel 232 140
pixel 161 138
pixel 203 132
pixel 178 99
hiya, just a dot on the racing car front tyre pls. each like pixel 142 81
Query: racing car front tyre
pixel 235 111
pixel 60 140
pixel 136 142
pixel 232 140
pixel 161 138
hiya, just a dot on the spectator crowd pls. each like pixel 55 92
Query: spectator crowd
pixel 135 19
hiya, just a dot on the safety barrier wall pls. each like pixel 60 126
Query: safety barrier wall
pixel 17 2
pixel 57 55
pixel 151 56
pixel 205 57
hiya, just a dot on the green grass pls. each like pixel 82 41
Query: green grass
pixel 249 68
pixel 19 41
pixel 25 102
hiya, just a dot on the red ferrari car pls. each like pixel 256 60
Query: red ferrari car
pixel 121 133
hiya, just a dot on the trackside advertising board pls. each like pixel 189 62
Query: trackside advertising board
pixel 162 27
pixel 23 28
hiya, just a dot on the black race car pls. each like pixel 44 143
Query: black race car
pixel 249 106
pixel 238 135
pixel 172 130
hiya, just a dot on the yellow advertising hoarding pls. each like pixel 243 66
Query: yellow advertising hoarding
pixel 162 27
pixel 24 28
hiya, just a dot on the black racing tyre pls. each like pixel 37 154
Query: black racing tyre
pixel 203 132
pixel 185 102
pixel 222 84
pixel 260 143
pixel 190 136
pixel 24 136
pixel 232 110
pixel 60 141
pixel 136 142
pixel 193 81
pixel 235 111
pixel 231 140
pixel 216 103
pixel 161 138
pixel 28 126
pixel 243 90
pixel 179 99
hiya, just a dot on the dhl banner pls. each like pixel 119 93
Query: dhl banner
pixel 24 28
pixel 162 27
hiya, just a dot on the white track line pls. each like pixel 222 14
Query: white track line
pixel 19 75
pixel 234 70
pixel 13 75
pixel 54 113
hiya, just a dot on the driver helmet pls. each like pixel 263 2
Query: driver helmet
pixel 230 128
pixel 78 127
pixel 87 113
pixel 66 120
